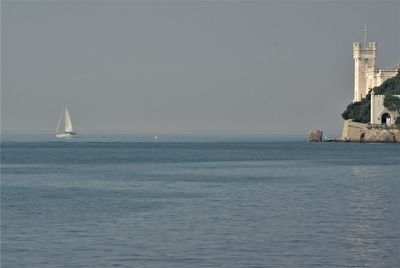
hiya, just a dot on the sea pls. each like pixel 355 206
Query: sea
pixel 198 201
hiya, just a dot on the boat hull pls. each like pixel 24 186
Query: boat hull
pixel 66 135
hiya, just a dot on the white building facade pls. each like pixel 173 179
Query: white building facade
pixel 368 76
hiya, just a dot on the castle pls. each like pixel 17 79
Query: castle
pixel 368 76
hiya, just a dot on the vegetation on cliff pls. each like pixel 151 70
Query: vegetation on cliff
pixel 389 87
pixel 360 111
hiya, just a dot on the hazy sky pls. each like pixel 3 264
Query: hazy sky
pixel 180 66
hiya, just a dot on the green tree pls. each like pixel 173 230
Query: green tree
pixel 360 111
pixel 392 103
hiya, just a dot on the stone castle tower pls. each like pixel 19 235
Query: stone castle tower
pixel 364 61
pixel 366 74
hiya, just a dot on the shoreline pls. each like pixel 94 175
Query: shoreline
pixel 360 133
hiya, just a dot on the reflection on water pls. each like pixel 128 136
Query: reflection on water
pixel 364 171
pixel 366 234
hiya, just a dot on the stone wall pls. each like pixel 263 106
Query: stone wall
pixel 353 131
pixel 359 132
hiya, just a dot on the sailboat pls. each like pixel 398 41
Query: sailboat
pixel 68 130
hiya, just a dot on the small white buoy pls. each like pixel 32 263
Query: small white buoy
pixel 155 137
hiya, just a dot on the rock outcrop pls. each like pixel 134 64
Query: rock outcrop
pixel 396 135
pixel 315 135
pixel 378 135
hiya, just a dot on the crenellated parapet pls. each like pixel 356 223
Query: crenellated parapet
pixel 361 52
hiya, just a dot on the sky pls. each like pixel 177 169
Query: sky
pixel 279 67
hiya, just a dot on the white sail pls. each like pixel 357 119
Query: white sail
pixel 67 121
pixel 68 131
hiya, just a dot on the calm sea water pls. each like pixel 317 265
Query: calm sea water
pixel 199 203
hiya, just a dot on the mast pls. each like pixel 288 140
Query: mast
pixel 59 122
pixel 365 36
